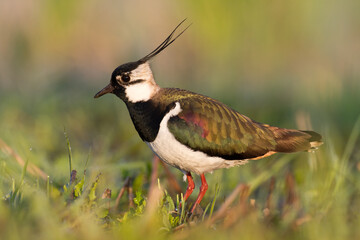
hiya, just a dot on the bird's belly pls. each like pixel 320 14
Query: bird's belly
pixel 181 156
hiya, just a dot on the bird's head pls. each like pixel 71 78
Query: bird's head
pixel 134 81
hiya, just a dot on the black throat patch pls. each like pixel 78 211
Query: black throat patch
pixel 147 117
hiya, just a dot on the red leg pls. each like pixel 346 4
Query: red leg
pixel 202 192
pixel 190 187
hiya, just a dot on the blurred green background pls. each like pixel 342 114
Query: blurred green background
pixel 292 64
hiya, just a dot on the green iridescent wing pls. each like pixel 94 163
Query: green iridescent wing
pixel 207 125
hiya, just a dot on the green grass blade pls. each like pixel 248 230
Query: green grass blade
pixel 217 189
pixel 48 187
pixel 350 145
pixel 69 151
pixel 267 173
pixel 23 173
pixel 205 211
pixel 183 205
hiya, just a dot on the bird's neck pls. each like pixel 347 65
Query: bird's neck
pixel 147 116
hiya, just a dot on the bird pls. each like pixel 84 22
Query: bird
pixel 192 132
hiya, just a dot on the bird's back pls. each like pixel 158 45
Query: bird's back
pixel 207 125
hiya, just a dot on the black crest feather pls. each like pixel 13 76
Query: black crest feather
pixel 170 39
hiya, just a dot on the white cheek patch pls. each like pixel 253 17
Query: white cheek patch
pixel 140 92
pixel 145 88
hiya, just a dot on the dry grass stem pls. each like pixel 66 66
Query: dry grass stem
pixel 126 187
pixel 222 212
pixel 31 168
pixel 174 184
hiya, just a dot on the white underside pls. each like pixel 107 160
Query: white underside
pixel 182 157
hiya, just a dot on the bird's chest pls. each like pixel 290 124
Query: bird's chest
pixel 146 117
pixel 178 155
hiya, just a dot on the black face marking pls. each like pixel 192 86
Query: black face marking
pixel 119 90
pixel 136 81
pixel 132 82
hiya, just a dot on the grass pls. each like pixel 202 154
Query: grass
pixel 84 191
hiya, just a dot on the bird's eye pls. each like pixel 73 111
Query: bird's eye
pixel 125 78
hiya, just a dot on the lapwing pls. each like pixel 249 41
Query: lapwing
pixel 193 132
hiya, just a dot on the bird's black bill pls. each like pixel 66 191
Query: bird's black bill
pixel 105 90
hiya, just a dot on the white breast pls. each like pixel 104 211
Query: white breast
pixel 182 157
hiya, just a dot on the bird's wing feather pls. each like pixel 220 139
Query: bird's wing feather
pixel 207 125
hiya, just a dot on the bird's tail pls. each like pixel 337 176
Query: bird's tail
pixel 290 140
